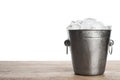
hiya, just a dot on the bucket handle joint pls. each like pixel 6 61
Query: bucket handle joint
pixel 67 44
pixel 110 47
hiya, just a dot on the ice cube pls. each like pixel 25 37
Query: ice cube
pixel 87 23
pixel 74 25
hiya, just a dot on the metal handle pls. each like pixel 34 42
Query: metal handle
pixel 110 47
pixel 67 43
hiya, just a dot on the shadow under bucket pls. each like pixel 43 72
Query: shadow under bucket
pixel 89 50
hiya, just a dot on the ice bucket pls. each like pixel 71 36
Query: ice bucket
pixel 89 49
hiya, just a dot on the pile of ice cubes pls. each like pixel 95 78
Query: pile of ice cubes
pixel 88 23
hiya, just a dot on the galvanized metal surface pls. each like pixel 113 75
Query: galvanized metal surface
pixel 89 51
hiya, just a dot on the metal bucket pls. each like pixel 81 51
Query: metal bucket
pixel 89 50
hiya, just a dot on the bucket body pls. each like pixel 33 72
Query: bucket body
pixel 89 51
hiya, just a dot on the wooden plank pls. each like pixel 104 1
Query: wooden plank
pixel 51 70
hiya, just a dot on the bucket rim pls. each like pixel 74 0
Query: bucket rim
pixel 89 30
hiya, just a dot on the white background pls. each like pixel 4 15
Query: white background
pixel 36 29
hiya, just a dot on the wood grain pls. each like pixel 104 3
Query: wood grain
pixel 51 70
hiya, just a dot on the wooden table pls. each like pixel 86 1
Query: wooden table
pixel 51 70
